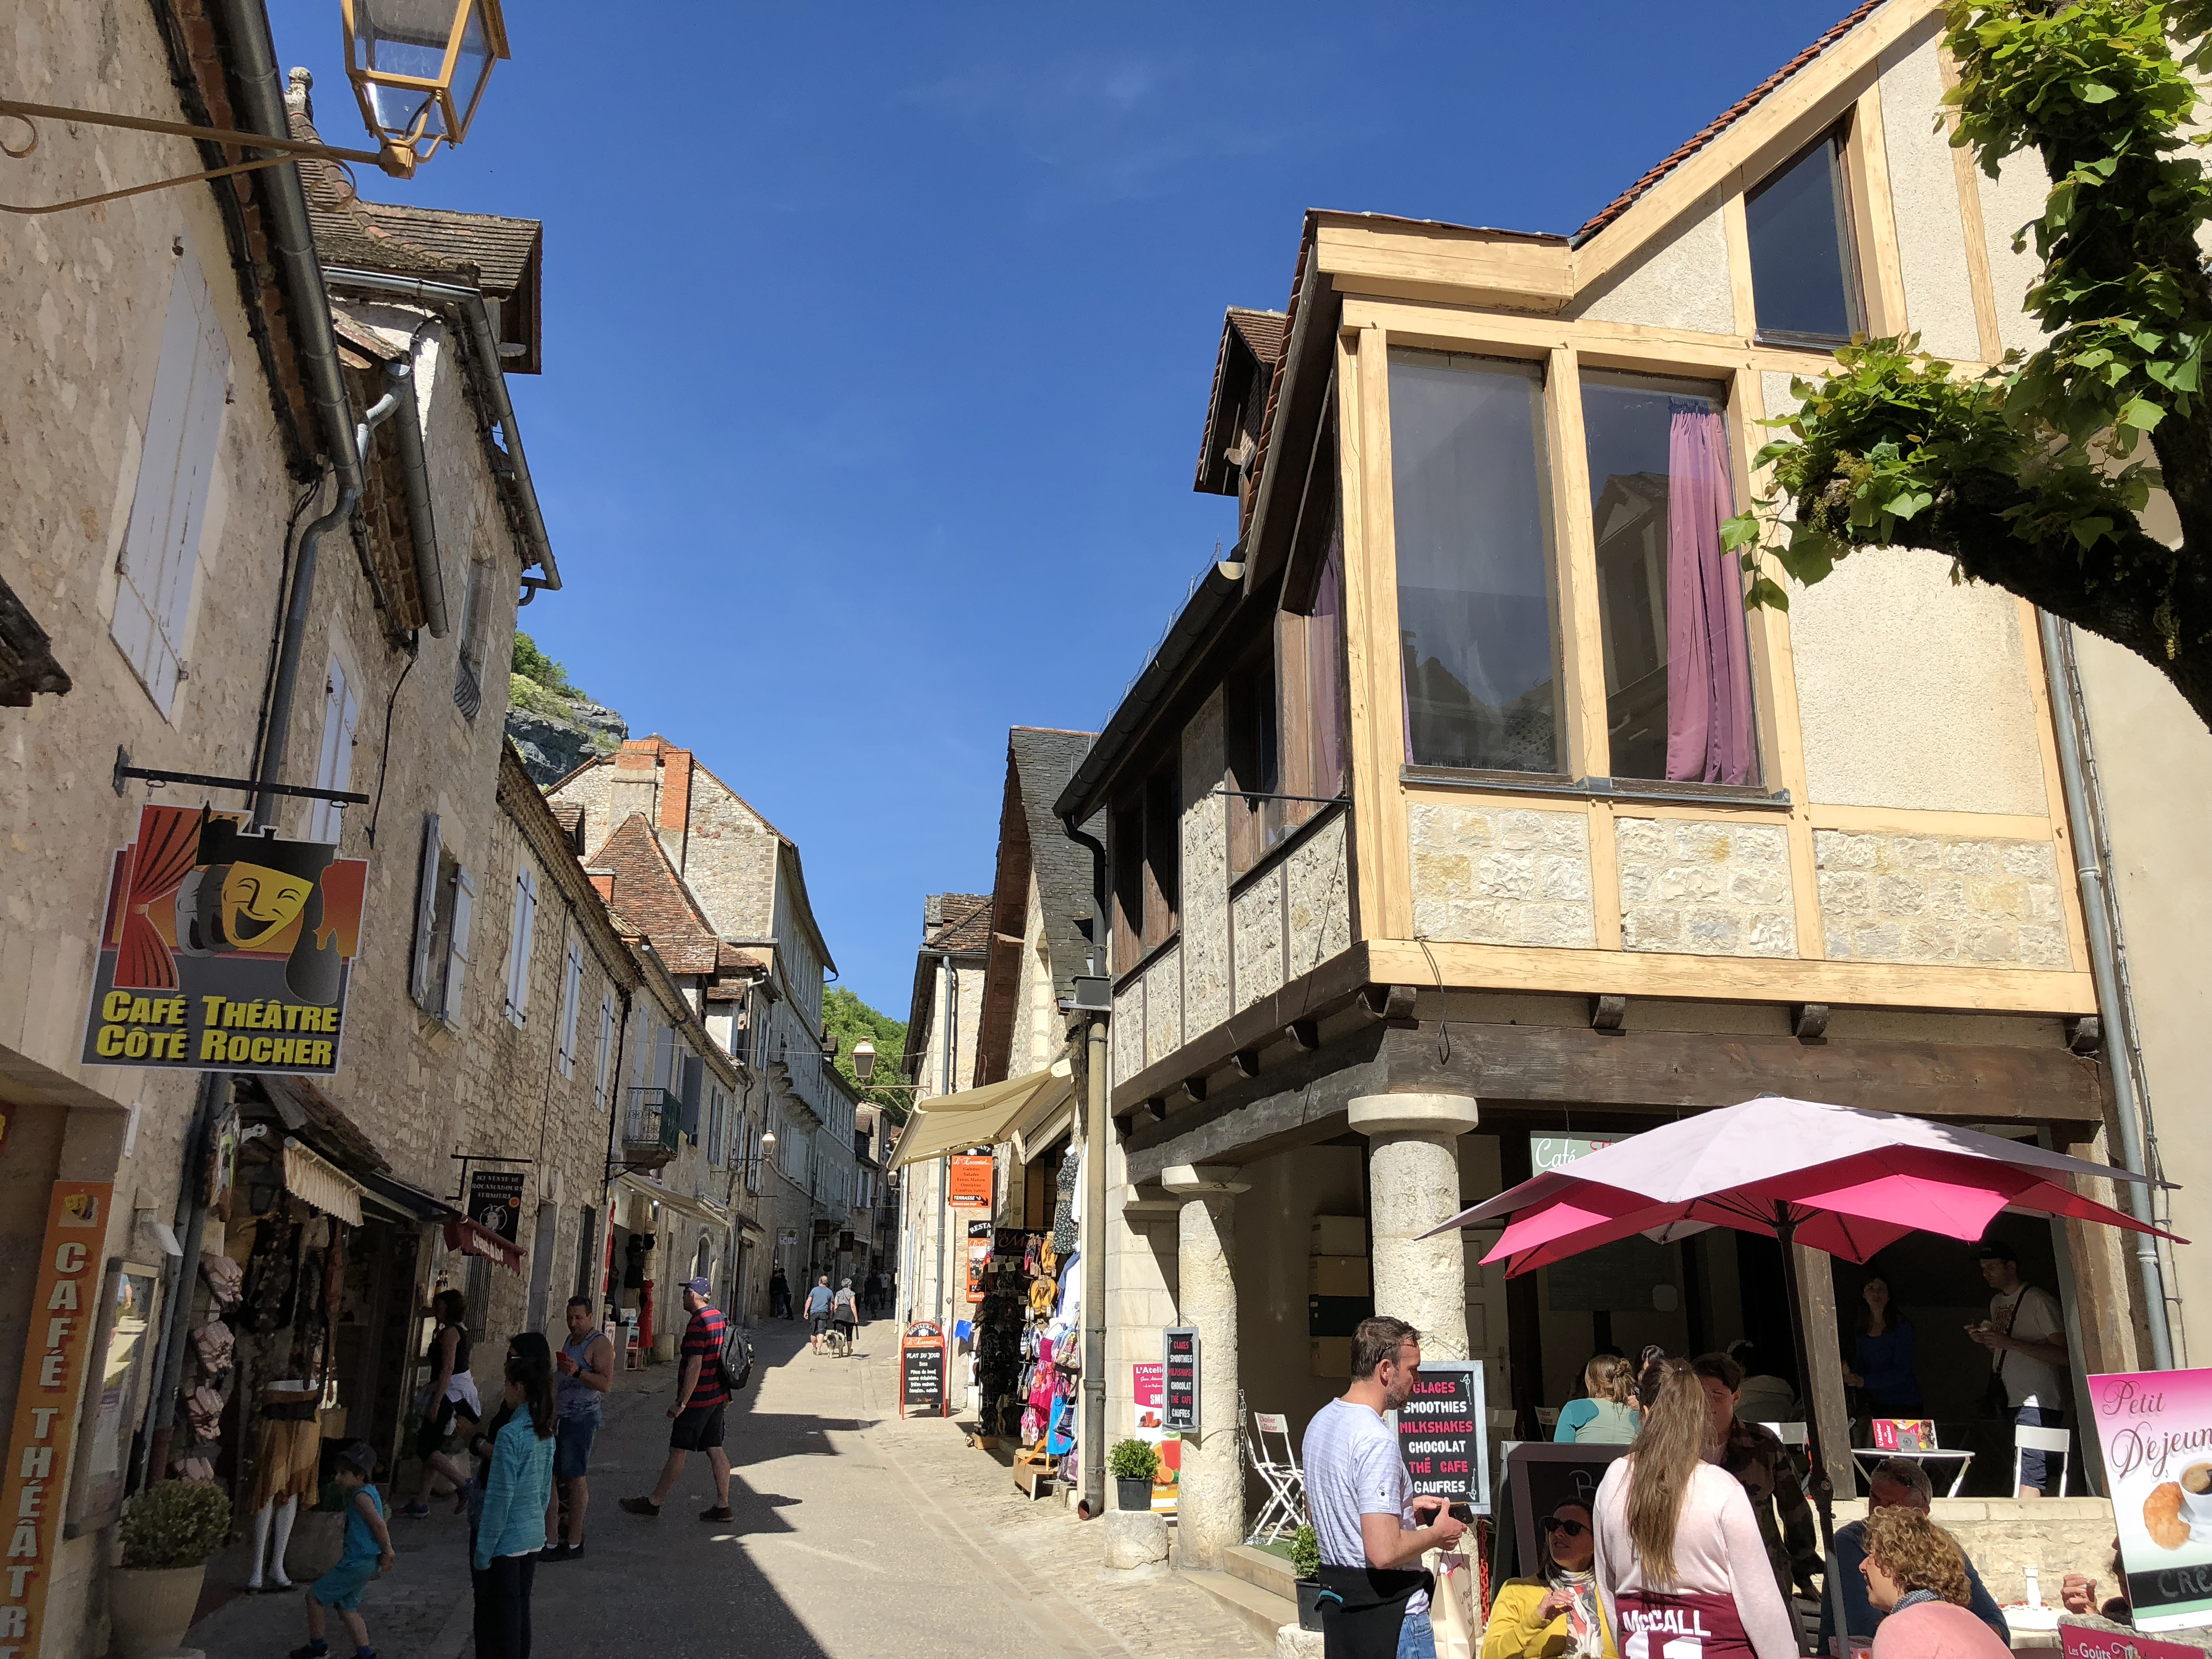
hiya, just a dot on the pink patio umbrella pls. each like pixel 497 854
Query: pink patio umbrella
pixel 1839 1179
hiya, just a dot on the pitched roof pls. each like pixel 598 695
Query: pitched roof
pixel 1720 124
pixel 498 247
pixel 1033 846
pixel 650 895
pixel 1262 330
pixel 1251 341
pixel 956 921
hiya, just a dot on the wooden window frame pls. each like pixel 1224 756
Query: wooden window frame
pixel 1844 133
pixel 1253 744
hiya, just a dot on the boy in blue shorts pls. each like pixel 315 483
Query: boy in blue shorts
pixel 368 1556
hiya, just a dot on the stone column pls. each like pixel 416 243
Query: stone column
pixel 1413 1179
pixel 1209 1503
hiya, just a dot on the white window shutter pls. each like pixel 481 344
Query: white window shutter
pixel 457 959
pixel 160 545
pixel 572 990
pixel 334 764
pixel 425 912
pixel 518 950
pixel 606 1055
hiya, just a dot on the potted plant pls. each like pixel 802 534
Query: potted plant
pixel 1132 1463
pixel 1305 1560
pixel 169 1532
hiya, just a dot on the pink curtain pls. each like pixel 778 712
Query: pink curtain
pixel 1709 735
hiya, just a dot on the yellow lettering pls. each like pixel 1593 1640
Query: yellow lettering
pixel 109 1042
pixel 176 1014
pixel 257 1052
pixel 142 1011
pixel 213 1006
pixel 175 1048
pixel 114 1005
pixel 213 1045
pixel 235 1014
pixel 134 1046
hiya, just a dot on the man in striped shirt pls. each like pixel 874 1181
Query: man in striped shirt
pixel 700 1401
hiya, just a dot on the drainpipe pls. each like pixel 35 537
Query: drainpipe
pixel 415 486
pixel 191 1224
pixel 2085 812
pixel 1092 1439
pixel 945 1159
pixel 295 622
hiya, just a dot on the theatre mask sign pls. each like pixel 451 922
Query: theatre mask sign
pixel 223 950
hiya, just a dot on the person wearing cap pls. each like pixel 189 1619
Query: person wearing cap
pixel 701 1400
pixel 2025 1335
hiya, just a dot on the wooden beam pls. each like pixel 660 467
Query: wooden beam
pixel 1987 331
pixel 2054 787
pixel 1882 269
pixel 1824 1388
pixel 1448 260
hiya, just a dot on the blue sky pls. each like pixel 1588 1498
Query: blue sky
pixel 878 342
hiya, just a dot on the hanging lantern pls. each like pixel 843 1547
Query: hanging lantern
pixel 419 67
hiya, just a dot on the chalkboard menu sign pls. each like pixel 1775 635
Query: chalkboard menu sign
pixel 1179 1402
pixel 921 1372
pixel 1443 1434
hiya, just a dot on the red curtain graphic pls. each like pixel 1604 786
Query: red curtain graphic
pixel 163 855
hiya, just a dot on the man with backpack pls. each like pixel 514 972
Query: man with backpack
pixel 703 1397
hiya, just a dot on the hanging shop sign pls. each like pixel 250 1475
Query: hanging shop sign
pixel 972 1182
pixel 921 1372
pixel 1442 1434
pixel 222 950
pixel 495 1202
pixel 1179 1380
pixel 64 1311
pixel 2155 1430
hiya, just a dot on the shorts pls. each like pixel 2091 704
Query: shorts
pixel 699 1428
pixel 821 1324
pixel 341 1588
pixel 849 1328
pixel 438 1428
pixel 572 1446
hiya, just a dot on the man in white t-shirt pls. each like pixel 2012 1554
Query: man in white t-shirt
pixel 1371 1529
pixel 2025 1333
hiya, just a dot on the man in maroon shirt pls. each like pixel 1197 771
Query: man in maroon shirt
pixel 700 1401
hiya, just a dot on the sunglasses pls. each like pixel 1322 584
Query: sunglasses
pixel 1552 1523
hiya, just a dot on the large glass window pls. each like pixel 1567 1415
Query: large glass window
pixel 1475 613
pixel 1804 277
pixel 1670 599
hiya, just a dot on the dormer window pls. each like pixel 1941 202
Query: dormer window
pixel 1804 269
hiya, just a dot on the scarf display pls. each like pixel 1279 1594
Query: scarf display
pixel 1584 1627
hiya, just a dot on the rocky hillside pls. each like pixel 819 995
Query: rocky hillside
pixel 554 724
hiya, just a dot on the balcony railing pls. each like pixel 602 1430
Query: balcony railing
pixel 468 692
pixel 653 1127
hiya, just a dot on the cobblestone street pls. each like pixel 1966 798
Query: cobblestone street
pixel 857 1533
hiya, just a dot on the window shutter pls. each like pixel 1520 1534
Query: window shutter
pixel 572 990
pixel 457 959
pixel 160 546
pixel 606 1056
pixel 334 765
pixel 426 912
pixel 518 948
pixel 694 1073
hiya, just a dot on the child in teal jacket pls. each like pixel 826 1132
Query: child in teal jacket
pixel 518 1487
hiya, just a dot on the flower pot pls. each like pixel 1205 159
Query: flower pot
pixel 1308 1604
pixel 318 1539
pixel 1135 1494
pixel 150 1608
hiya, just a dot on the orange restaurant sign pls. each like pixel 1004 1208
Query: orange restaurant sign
pixel 63 1316
pixel 973 1182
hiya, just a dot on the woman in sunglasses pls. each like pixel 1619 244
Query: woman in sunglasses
pixel 1555 1616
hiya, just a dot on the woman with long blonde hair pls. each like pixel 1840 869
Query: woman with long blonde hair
pixel 1679 1553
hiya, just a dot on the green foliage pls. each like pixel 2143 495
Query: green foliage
pixel 535 665
pixel 1892 444
pixel 1305 1553
pixel 1133 1460
pixel 848 1019
pixel 174 1523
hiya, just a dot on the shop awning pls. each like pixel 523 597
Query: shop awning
pixel 472 1239
pixel 315 1181
pixel 984 1116
pixel 1050 1115
pixel 402 1199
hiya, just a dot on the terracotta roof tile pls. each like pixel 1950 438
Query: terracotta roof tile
pixel 1726 119
pixel 956 922
pixel 1262 330
pixel 650 895
pixel 498 248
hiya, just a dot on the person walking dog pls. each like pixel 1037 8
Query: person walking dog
pixel 701 1400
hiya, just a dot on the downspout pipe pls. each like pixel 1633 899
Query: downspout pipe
pixel 485 344
pixel 1092 1437
pixel 2069 719
pixel 415 487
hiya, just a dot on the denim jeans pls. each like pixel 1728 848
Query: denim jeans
pixel 1417 1636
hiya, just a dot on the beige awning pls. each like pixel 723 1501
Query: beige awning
pixel 313 1181
pixel 984 1116
pixel 1050 1115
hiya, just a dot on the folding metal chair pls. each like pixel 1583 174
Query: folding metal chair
pixel 2026 1439
pixel 1285 1511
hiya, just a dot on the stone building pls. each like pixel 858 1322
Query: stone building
pixel 270 524
pixel 943 1022
pixel 1427 872
pixel 757 960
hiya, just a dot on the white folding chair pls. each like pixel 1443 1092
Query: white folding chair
pixel 1285 1511
pixel 2026 1439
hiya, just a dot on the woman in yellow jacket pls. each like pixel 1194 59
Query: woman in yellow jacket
pixel 1556 1616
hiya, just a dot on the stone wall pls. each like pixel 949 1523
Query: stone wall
pixel 1163 1029
pixel 1204 884
pixel 1256 925
pixel 1892 897
pixel 2005 1536
pixel 1318 882
pixel 1704 888
pixel 1501 875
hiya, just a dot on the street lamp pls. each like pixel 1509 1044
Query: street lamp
pixel 864 1060
pixel 409 60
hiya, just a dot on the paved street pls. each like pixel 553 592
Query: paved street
pixel 857 1533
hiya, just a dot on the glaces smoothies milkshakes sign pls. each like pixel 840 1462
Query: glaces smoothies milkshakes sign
pixel 2155 1428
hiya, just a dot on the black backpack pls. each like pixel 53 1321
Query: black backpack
pixel 736 1360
